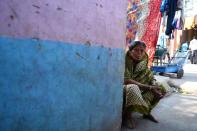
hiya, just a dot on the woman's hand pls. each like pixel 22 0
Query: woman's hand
pixel 156 91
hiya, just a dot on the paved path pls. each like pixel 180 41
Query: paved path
pixel 177 112
pixel 189 81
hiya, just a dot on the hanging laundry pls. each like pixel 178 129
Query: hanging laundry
pixel 172 4
pixel 179 4
pixel 151 27
pixel 177 23
pixel 164 6
pixel 143 23
pixel 162 41
pixel 133 14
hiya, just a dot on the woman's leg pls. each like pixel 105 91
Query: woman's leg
pixel 127 119
pixel 133 102
pixel 152 101
pixel 134 99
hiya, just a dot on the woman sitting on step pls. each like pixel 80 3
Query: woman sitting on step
pixel 141 92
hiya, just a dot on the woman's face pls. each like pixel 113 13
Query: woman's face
pixel 137 53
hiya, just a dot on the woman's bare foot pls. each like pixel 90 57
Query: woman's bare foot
pixel 130 124
pixel 128 120
pixel 151 118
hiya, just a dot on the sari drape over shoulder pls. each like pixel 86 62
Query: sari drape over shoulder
pixel 134 98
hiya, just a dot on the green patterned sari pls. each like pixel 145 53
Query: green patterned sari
pixel 134 98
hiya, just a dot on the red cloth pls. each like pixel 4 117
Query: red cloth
pixel 152 26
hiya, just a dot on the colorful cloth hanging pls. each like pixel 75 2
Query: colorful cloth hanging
pixel 152 26
pixel 144 19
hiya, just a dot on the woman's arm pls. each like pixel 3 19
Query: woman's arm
pixel 141 86
pixel 155 89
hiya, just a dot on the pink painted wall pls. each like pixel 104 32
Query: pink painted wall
pixel 99 22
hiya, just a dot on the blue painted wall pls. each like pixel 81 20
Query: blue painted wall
pixel 55 86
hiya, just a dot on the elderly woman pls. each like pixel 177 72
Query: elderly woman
pixel 141 92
